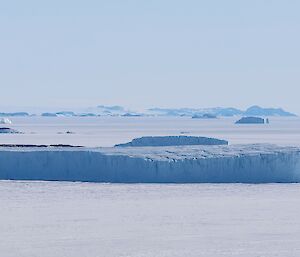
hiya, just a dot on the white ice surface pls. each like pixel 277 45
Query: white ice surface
pixel 46 219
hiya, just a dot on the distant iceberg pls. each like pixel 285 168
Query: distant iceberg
pixel 184 164
pixel 173 141
pixel 14 114
pixel 58 114
pixel 5 121
pixel 48 114
pixel 250 120
pixel 86 114
pixel 65 113
pixel 204 116
pixel 128 114
pixel 8 131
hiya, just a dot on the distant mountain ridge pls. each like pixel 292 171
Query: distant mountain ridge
pixel 258 111
pixel 217 111
pixel 116 110
pixel 222 112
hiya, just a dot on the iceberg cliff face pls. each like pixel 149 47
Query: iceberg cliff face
pixel 188 164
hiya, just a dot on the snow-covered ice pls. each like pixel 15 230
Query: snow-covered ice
pixel 108 131
pixel 144 220
pixel 149 220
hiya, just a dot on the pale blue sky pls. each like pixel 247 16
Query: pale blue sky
pixel 139 54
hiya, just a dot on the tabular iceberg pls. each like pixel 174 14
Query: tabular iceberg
pixel 250 120
pixel 173 141
pixel 184 164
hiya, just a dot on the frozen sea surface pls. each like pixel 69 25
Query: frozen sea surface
pixel 61 219
pixel 108 131
pixel 46 219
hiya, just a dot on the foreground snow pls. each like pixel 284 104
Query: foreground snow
pixel 46 219
pixel 235 163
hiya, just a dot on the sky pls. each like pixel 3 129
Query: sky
pixel 142 54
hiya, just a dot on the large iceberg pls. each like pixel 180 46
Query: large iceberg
pixel 184 164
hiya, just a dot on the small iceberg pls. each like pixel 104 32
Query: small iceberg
pixel 250 120
pixel 204 116
pixel 49 114
pixel 5 121
pixel 8 131
pixel 128 114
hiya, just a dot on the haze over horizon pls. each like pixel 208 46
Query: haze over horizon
pixel 74 54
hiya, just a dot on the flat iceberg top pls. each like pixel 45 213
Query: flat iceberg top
pixel 173 141
pixel 196 152
pixel 251 120
pixel 169 153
